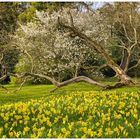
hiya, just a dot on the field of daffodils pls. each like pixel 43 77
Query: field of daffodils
pixel 75 115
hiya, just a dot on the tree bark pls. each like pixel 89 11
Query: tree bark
pixel 72 80
pixel 79 79
pixel 124 59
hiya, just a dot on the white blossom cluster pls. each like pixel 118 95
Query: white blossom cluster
pixel 54 52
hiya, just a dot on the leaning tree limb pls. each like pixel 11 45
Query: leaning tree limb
pixel 65 83
pixel 99 49
pixel 75 79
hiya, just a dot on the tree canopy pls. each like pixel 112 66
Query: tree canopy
pixel 72 42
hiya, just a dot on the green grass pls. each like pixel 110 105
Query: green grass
pixel 37 91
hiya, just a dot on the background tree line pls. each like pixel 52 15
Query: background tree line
pixel 67 40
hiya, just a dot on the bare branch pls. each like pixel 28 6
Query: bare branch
pixel 126 33
pixel 71 18
pixel 135 36
pixel 75 79
pixel 124 47
pixel 96 68
pixel 24 51
pixel 79 79
pixel 31 59
pixel 3 78
pixel 88 7
pixel 135 32
pixel 1 58
pixel 135 66
pixel 21 85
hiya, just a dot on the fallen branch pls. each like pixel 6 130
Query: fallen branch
pixel 67 82
pixel 117 85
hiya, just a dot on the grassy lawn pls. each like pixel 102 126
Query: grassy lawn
pixel 37 91
pixel 75 111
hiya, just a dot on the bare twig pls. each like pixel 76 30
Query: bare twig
pixel 71 19
pixel 21 85
pixel 96 68
pixel 126 33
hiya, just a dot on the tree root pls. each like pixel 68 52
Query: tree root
pixel 117 85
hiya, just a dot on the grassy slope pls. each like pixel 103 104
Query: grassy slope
pixel 34 92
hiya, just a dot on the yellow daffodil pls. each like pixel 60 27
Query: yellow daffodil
pixel 1 130
pixel 26 129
